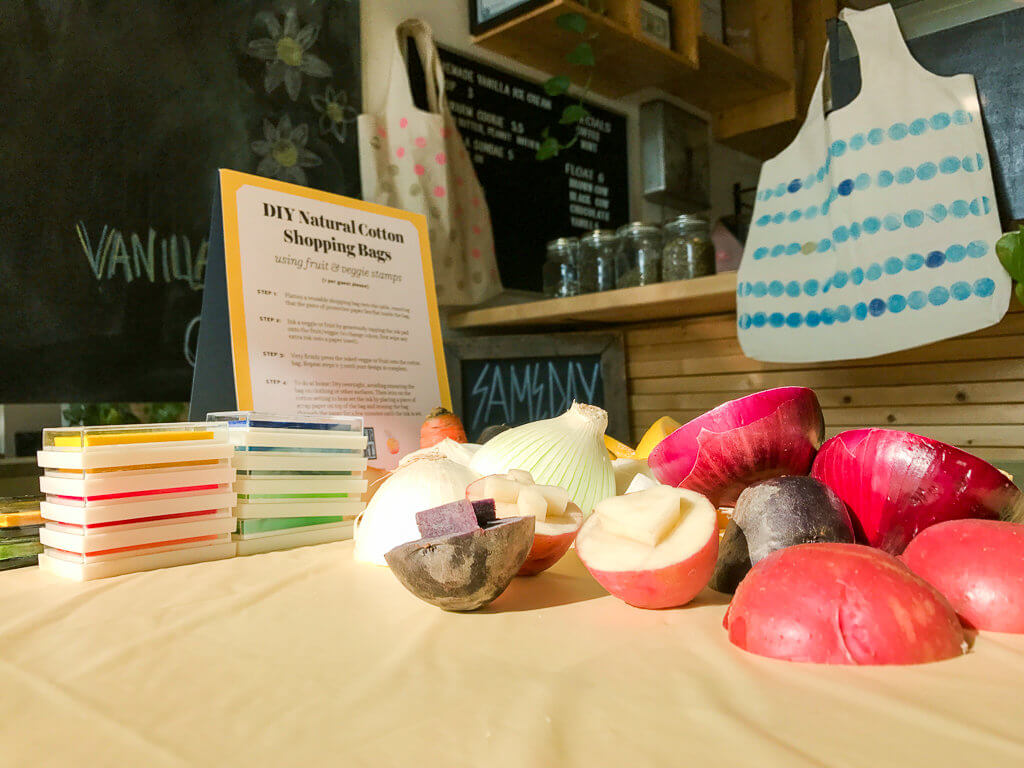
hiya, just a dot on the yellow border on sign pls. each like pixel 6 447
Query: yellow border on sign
pixel 230 183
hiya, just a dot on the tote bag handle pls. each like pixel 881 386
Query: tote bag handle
pixel 422 36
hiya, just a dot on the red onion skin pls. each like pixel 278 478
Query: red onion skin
pixel 764 435
pixel 841 604
pixel 896 484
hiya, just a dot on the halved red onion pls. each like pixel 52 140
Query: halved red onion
pixel 768 434
pixel 896 484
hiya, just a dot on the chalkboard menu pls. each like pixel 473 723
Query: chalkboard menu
pixel 517 379
pixel 501 118
pixel 114 116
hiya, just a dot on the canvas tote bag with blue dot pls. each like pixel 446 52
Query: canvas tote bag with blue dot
pixel 875 230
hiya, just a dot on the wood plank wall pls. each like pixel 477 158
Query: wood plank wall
pixel 968 391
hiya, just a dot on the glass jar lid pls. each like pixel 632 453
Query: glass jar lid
pixel 687 221
pixel 563 242
pixel 598 237
pixel 636 228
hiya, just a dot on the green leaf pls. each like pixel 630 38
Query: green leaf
pixel 582 55
pixel 548 148
pixel 572 22
pixel 1010 249
pixel 573 114
pixel 557 85
pixel 1020 292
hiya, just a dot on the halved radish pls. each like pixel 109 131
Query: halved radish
pixel 978 565
pixel 557 519
pixel 652 549
pixel 841 604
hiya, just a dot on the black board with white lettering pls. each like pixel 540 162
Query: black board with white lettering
pixel 115 116
pixel 517 379
pixel 501 118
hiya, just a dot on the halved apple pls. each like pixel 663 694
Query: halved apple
pixel 557 519
pixel 652 549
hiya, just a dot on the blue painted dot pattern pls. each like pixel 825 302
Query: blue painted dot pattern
pixel 896 132
pixel 875 271
pixel 878 306
pixel 893 221
pixel 883 179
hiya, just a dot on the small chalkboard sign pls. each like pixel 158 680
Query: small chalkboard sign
pixel 517 379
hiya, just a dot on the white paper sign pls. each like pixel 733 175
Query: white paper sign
pixel 332 309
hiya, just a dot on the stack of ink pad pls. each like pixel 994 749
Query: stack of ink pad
pixel 300 478
pixel 134 498
pixel 20 521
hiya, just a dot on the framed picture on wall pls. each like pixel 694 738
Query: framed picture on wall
pixel 486 14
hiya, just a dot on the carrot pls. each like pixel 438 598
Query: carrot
pixel 441 423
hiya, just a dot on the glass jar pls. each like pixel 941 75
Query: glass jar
pixel 688 250
pixel 561 277
pixel 638 261
pixel 597 261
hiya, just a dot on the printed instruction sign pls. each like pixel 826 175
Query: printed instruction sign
pixel 317 304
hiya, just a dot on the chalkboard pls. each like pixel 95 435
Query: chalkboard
pixel 517 379
pixel 114 116
pixel 991 49
pixel 501 117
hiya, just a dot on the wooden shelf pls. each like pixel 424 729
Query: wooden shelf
pixel 684 298
pixel 707 74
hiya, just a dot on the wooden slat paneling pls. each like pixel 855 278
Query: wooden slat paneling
pixel 925 394
pixel 967 391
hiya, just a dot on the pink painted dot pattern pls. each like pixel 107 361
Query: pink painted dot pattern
pixel 421 142
pixel 476 230
pixel 400 152
pixel 439 191
pixel 476 253
pixel 404 122
pixel 440 158
pixel 382 133
pixel 419 169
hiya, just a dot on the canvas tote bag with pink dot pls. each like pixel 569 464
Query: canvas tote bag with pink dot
pixel 416 160
pixel 875 230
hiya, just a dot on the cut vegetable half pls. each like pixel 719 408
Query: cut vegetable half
pixel 757 437
pixel 841 604
pixel 653 548
pixel 896 484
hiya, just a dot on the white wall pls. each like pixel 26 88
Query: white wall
pixel 450 21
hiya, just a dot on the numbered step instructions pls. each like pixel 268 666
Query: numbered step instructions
pixel 335 308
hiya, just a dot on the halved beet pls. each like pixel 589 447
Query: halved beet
pixel 896 484
pixel 757 437
pixel 775 514
pixel 466 568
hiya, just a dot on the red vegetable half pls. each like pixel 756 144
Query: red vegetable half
pixel 757 437
pixel 896 484
pixel 978 565
pixel 841 604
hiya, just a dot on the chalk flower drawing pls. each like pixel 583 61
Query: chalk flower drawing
pixel 335 113
pixel 286 52
pixel 283 151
